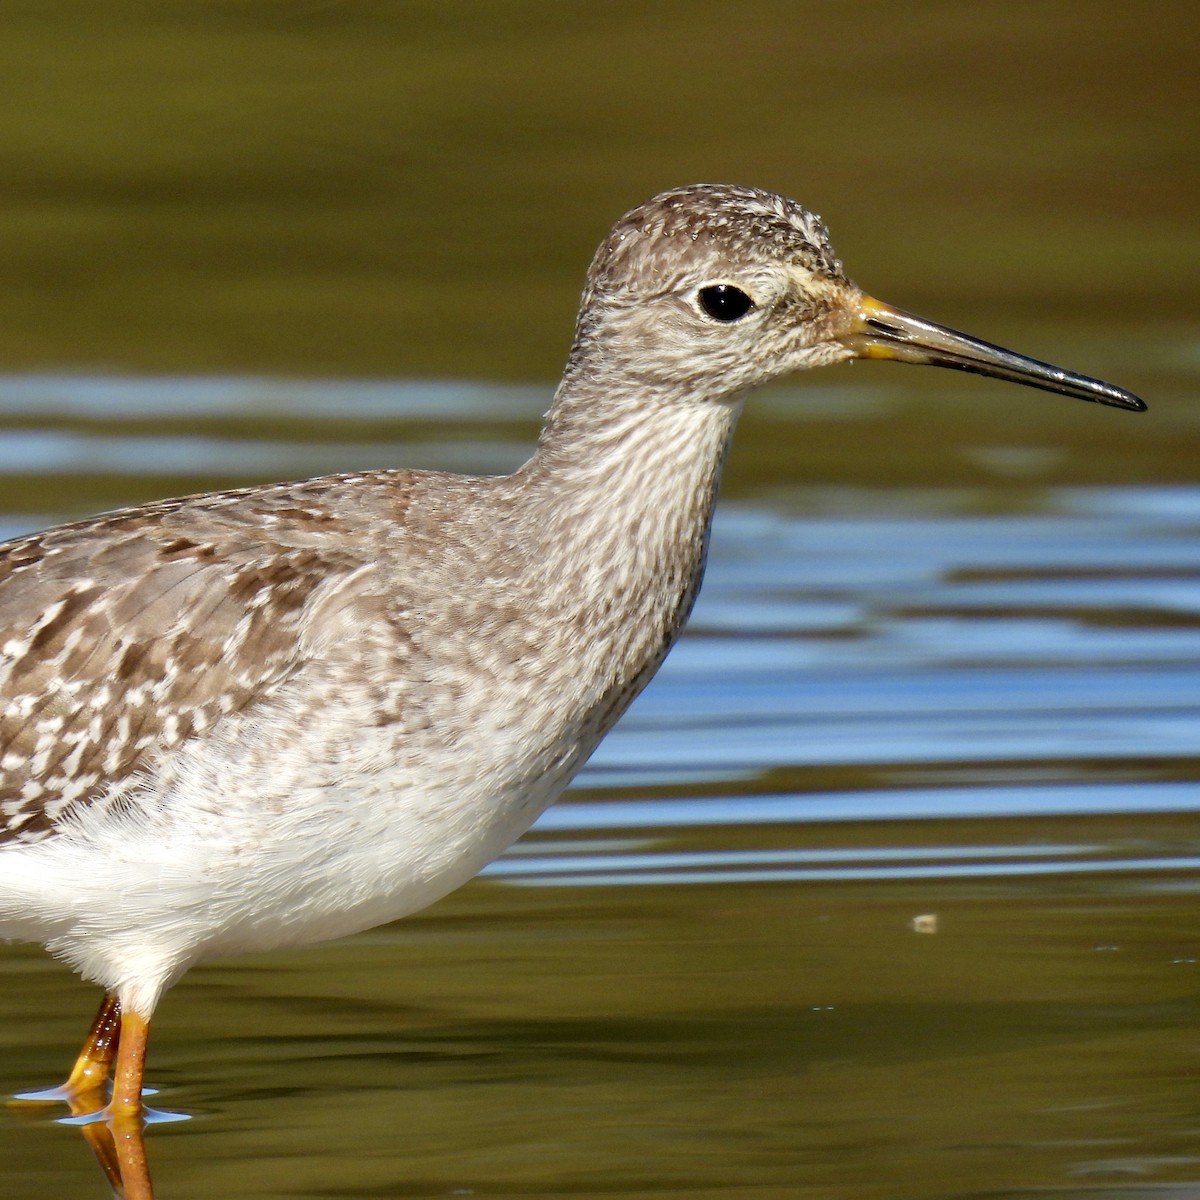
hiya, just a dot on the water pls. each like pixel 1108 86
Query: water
pixel 888 886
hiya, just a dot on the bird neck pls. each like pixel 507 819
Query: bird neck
pixel 622 488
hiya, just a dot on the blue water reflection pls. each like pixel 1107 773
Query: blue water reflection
pixel 948 664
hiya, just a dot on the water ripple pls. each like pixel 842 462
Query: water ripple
pixel 892 636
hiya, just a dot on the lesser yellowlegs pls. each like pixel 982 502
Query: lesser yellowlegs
pixel 266 717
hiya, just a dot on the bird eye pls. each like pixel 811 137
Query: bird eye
pixel 724 302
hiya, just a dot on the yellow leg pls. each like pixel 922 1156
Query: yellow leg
pixel 131 1159
pixel 88 1076
pixel 95 1059
pixel 131 1067
pixel 90 1073
pixel 114 1130
pixel 125 1108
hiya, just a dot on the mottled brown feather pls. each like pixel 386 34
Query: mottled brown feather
pixel 124 635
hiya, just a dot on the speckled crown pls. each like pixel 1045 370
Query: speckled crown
pixel 717 220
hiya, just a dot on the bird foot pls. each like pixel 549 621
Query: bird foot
pixel 119 1118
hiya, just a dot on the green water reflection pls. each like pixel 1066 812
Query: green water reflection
pixel 762 1041
pixel 317 188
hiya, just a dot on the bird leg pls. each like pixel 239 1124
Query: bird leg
pixel 90 1072
pixel 91 1068
pixel 125 1113
pixel 119 1150
pixel 115 1044
pixel 131 1066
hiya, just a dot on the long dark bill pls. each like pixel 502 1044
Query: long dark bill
pixel 880 331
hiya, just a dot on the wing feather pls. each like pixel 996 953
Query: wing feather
pixel 126 635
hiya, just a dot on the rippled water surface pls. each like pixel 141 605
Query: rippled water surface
pixel 888 885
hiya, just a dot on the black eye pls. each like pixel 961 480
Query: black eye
pixel 724 302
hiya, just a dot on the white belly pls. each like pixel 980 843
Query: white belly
pixel 227 851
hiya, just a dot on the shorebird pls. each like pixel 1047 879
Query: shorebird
pixel 266 717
